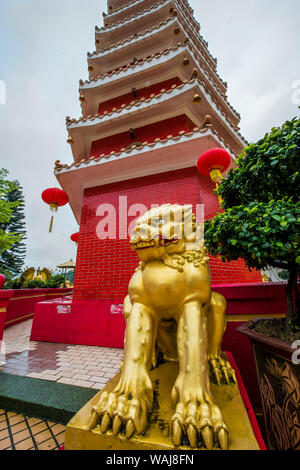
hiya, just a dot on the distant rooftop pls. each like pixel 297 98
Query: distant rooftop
pixel 67 265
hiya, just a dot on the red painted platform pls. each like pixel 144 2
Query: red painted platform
pixel 101 323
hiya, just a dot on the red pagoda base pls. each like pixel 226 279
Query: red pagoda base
pixel 101 322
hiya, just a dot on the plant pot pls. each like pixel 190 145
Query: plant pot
pixel 279 381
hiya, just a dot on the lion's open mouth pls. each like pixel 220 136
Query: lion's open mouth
pixel 145 245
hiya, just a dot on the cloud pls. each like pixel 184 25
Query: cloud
pixel 43 46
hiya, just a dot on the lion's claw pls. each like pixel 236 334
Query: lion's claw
pixel 120 412
pixel 192 435
pixel 105 423
pixel 223 439
pixel 177 433
pixel 208 437
pixel 117 424
pixel 206 422
pixel 130 429
pixel 222 370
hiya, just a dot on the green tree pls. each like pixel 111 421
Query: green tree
pixel 12 260
pixel 7 239
pixel 261 222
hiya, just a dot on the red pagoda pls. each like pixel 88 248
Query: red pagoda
pixel 152 105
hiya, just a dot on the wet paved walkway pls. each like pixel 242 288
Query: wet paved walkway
pixel 84 366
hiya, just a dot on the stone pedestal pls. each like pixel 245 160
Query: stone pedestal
pixel 157 436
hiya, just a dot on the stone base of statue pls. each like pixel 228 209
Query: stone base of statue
pixel 243 434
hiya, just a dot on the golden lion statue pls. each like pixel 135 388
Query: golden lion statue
pixel 170 291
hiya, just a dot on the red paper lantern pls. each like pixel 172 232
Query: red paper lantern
pixel 213 163
pixel 75 237
pixel 55 198
pixel 213 159
pixel 2 280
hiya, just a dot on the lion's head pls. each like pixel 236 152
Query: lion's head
pixel 165 231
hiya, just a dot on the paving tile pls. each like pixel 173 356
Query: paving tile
pixel 24 445
pixel 5 443
pixel 82 383
pixel 82 377
pixel 21 436
pixel 98 386
pixel 19 427
pixel 66 380
pixel 102 380
pixel 57 428
pixel 3 425
pixel 60 438
pixel 50 444
pixel 4 434
pixel 34 421
pixel 16 420
pixel 38 428
pixel 42 436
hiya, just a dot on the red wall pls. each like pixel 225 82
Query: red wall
pixel 148 133
pixel 104 267
pixel 143 92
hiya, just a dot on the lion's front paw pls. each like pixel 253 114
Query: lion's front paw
pixel 120 413
pixel 126 408
pixel 221 370
pixel 199 421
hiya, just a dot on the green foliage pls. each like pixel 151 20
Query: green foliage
pixel 55 281
pixel 34 284
pixel 13 283
pixel 12 259
pixel 261 198
pixel 6 211
pixel 263 234
pixel 266 170
pixel 284 275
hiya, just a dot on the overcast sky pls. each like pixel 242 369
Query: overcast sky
pixel 43 47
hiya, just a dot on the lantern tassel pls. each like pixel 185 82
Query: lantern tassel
pixel 51 224
pixel 216 177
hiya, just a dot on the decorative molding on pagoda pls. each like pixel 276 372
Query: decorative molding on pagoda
pixel 154 61
pixel 136 3
pixel 163 26
pixel 162 156
pixel 143 102
pixel 177 9
pixel 131 39
pixel 171 103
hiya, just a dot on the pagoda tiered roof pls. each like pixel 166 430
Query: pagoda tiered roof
pixel 108 35
pixel 168 63
pixel 146 43
pixel 140 6
pixel 153 102
pixel 163 155
pixel 143 111
pixel 123 9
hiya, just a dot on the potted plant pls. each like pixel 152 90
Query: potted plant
pixel 261 224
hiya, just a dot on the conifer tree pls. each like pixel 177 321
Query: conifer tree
pixel 12 259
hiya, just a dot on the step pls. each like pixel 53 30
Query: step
pixel 42 398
